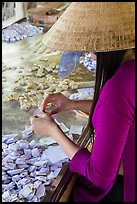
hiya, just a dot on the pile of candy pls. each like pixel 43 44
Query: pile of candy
pixel 89 62
pixel 27 169
pixel 18 32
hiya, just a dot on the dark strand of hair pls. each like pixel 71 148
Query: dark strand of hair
pixel 107 65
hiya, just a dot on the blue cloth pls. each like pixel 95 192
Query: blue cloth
pixel 68 63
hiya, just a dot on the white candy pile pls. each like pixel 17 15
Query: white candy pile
pixel 89 62
pixel 27 169
pixel 20 31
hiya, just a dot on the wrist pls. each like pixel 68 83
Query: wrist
pixel 71 105
pixel 55 130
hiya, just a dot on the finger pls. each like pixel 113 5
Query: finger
pixel 45 102
pixel 32 119
pixel 42 115
pixel 54 111
pixel 50 99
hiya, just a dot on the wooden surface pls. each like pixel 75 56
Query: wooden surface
pixel 23 53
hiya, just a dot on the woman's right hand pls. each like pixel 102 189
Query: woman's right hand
pixel 59 101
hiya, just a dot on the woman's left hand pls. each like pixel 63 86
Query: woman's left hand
pixel 43 125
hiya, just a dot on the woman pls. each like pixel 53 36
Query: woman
pixel 112 111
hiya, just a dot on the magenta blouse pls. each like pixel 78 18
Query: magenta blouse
pixel 114 123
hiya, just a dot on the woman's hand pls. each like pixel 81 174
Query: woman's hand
pixel 43 125
pixel 59 101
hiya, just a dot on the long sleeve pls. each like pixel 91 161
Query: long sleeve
pixel 113 116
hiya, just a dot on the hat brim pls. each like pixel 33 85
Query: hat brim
pixel 93 27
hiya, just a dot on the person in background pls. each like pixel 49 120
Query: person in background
pixel 111 113
pixel 28 5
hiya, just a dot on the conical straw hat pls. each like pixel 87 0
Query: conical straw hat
pixel 93 26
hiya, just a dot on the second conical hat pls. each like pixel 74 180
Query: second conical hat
pixel 93 26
